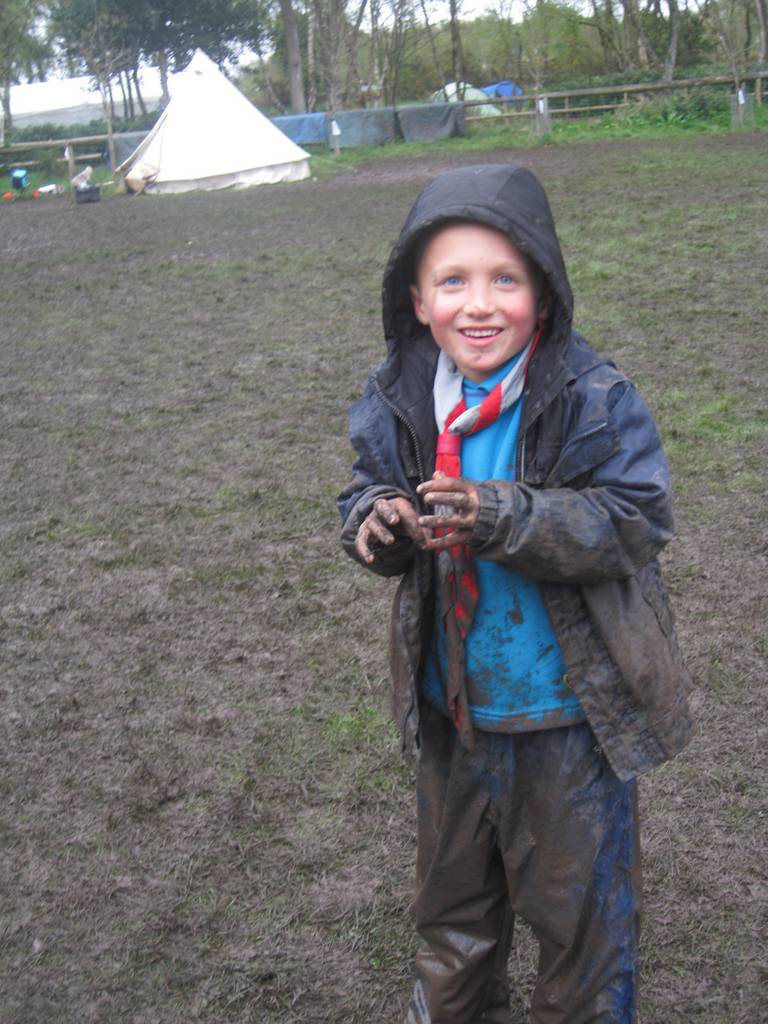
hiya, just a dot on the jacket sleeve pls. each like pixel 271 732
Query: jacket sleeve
pixel 603 512
pixel 376 473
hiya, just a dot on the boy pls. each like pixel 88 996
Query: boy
pixel 516 481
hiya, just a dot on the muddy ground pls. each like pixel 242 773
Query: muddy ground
pixel 204 814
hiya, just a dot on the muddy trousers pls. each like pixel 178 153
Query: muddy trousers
pixel 535 824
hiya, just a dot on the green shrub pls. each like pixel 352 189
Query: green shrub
pixel 39 132
pixel 48 164
pixel 691 108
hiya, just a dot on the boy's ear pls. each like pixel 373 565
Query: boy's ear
pixel 418 305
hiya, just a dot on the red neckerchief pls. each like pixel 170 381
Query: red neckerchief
pixel 456 566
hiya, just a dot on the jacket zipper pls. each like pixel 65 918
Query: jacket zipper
pixel 588 433
pixel 400 415
pixel 520 474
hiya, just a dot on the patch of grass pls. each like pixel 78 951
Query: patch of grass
pixel 376 931
pixel 127 560
pixel 96 530
pixel 362 727
pixel 704 429
pixel 694 416
pixel 224 575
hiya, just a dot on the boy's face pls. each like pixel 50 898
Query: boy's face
pixel 477 294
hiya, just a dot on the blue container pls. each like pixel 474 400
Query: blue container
pixel 19 178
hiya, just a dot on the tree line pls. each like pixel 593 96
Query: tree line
pixel 336 54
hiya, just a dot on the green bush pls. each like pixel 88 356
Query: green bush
pixel 39 132
pixel 47 162
pixel 690 108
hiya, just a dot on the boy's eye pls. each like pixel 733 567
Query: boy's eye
pixel 505 279
pixel 452 280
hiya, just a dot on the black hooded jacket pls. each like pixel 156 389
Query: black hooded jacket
pixel 588 514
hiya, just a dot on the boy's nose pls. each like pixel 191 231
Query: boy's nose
pixel 480 301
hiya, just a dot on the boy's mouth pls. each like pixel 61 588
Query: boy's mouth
pixel 480 332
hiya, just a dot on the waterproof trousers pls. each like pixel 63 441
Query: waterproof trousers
pixel 535 824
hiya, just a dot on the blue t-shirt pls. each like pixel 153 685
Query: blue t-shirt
pixel 514 669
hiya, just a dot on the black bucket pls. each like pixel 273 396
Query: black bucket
pixel 89 194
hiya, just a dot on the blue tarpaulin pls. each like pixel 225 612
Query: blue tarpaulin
pixel 372 127
pixel 426 122
pixel 304 129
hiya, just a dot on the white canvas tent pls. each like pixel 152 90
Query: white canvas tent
pixel 210 136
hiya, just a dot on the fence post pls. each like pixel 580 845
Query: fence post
pixel 69 155
pixel 759 91
pixel 335 136
pixel 542 118
pixel 742 108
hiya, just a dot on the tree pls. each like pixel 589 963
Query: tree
pixel 762 18
pixel 728 24
pixel 457 55
pixel 22 51
pixel 161 32
pixel 432 45
pixel 97 36
pixel 293 51
pixel 555 42
pixel 393 47
pixel 609 30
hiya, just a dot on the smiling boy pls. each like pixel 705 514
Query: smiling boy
pixel 516 481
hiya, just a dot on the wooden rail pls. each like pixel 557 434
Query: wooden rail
pixel 552 110
pixel 677 83
pixel 530 101
pixel 7 152
pixel 79 158
pixel 55 143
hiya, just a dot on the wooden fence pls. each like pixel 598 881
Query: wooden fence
pixel 73 151
pixel 558 103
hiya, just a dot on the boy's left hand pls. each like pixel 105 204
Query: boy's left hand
pixel 458 516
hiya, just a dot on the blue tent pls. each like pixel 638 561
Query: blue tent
pixel 503 90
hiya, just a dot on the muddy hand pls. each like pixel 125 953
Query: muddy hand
pixel 455 504
pixel 389 518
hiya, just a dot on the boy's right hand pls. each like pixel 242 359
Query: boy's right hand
pixel 389 517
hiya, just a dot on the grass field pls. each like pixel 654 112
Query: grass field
pixel 204 812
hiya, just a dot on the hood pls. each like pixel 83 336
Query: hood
pixel 502 196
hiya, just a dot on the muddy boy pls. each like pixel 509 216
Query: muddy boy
pixel 515 479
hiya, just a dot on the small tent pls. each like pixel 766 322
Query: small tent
pixel 506 90
pixel 455 92
pixel 210 136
